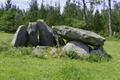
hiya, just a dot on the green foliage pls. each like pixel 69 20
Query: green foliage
pixel 71 10
pixel 72 15
pixel 33 11
pixel 98 22
pixel 42 12
pixel 74 22
pixel 11 18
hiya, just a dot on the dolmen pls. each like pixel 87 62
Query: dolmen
pixel 71 39
pixel 80 41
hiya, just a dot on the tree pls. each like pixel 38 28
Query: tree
pixel 117 5
pixel 116 18
pixel 73 14
pixel 110 19
pixel 11 18
pixel 84 11
pixel 42 11
pixel 8 4
pixel 53 16
pixel 1 10
pixel 72 10
pixel 98 22
pixel 33 11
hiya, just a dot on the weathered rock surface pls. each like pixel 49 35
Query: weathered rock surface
pixel 85 36
pixel 59 40
pixel 99 50
pixel 77 47
pixel 21 37
pixel 45 34
pixel 39 51
pixel 53 51
pixel 33 34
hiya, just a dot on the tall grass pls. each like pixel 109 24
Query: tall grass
pixel 19 64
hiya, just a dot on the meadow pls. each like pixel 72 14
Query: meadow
pixel 23 66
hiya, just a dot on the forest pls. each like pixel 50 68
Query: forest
pixel 76 13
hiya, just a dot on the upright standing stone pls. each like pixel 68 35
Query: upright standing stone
pixel 33 34
pixel 21 37
pixel 46 37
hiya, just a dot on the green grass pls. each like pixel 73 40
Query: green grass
pixel 26 67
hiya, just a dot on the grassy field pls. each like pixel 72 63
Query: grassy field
pixel 26 67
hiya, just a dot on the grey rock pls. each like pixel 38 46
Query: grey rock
pixel 99 50
pixel 20 37
pixel 39 51
pixel 59 40
pixel 46 37
pixel 53 51
pixel 33 34
pixel 85 36
pixel 77 47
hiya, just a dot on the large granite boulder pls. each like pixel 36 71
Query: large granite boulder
pixel 85 36
pixel 33 34
pixel 46 37
pixel 76 47
pixel 21 37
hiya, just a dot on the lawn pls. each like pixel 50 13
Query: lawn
pixel 27 67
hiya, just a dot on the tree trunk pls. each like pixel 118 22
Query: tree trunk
pixel 84 11
pixel 110 18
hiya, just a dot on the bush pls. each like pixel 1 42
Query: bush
pixel 75 23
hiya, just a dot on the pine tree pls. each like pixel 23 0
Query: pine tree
pixel 1 10
pixel 33 11
pixel 50 19
pixel 11 18
pixel 98 22
pixel 42 11
pixel 71 10
pixel 8 4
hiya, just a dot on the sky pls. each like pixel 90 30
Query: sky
pixel 24 4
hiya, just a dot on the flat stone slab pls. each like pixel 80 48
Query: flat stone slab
pixel 76 34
